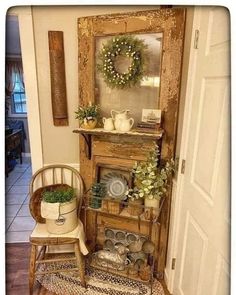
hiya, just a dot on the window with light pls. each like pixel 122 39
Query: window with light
pixel 18 97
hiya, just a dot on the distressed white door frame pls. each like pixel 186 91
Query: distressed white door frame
pixel 26 31
pixel 178 182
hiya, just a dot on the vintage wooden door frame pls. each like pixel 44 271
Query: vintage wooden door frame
pixel 169 21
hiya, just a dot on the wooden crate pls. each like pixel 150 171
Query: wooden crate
pixel 111 206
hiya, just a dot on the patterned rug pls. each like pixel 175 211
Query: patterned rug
pixel 98 282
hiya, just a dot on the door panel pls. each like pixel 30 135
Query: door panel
pixel 194 252
pixel 202 261
pixel 202 178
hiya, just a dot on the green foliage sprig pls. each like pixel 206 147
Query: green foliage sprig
pixel 59 195
pixel 89 112
pixel 150 179
pixel 127 46
pixel 98 189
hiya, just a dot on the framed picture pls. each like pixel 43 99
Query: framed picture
pixel 151 115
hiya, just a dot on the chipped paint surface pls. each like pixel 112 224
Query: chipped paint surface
pixel 169 21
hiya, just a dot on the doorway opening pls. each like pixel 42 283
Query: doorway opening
pixel 18 170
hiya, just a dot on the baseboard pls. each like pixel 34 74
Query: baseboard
pixel 27 155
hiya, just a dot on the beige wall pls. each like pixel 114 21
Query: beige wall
pixel 59 143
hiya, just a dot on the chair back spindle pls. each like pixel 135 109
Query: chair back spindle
pixel 48 178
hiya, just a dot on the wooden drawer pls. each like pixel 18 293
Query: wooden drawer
pixel 126 149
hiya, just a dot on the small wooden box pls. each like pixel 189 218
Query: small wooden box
pixel 111 206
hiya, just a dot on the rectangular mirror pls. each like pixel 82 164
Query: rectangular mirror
pixel 145 95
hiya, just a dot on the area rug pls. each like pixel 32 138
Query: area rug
pixel 98 282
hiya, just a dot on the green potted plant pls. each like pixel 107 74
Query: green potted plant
pixel 59 208
pixel 151 181
pixel 88 115
pixel 98 192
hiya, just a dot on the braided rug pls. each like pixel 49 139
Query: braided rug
pixel 98 282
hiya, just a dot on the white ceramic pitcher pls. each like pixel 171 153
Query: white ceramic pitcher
pixel 108 124
pixel 126 124
pixel 118 117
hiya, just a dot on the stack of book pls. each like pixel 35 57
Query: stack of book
pixel 148 127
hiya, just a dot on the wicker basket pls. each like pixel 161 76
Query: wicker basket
pixel 36 198
pixel 135 207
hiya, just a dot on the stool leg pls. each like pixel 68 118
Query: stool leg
pixel 32 268
pixel 80 263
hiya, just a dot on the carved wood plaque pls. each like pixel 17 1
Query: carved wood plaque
pixel 58 79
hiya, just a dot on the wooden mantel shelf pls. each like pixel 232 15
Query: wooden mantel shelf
pixel 101 131
pixel 87 133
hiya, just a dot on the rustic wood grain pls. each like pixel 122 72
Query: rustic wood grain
pixel 125 148
pixel 171 22
pixel 58 78
pixel 80 262
pixel 33 254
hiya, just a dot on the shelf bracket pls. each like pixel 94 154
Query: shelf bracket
pixel 88 151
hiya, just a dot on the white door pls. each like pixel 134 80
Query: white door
pixel 203 254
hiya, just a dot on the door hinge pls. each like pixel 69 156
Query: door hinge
pixel 173 263
pixel 196 39
pixel 183 166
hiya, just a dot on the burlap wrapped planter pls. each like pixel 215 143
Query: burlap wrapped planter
pixel 135 207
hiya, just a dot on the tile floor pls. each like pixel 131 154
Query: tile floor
pixel 19 222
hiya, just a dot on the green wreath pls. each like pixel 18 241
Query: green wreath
pixel 126 46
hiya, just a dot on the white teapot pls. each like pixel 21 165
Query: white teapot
pixel 126 124
pixel 108 124
pixel 118 117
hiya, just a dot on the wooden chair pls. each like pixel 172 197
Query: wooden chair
pixel 53 176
